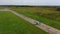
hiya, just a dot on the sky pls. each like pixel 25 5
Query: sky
pixel 30 2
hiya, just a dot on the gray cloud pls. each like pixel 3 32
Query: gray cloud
pixel 29 2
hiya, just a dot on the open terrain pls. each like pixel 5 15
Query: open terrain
pixel 12 24
pixel 48 16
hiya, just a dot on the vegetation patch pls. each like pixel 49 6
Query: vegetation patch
pixel 11 24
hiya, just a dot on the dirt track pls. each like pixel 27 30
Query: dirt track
pixel 42 26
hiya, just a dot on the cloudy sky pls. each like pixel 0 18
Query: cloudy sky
pixel 29 2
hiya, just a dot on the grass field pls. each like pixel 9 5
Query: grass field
pixel 11 24
pixel 45 15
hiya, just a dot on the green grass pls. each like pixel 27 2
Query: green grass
pixel 50 13
pixel 12 24
pixel 27 13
